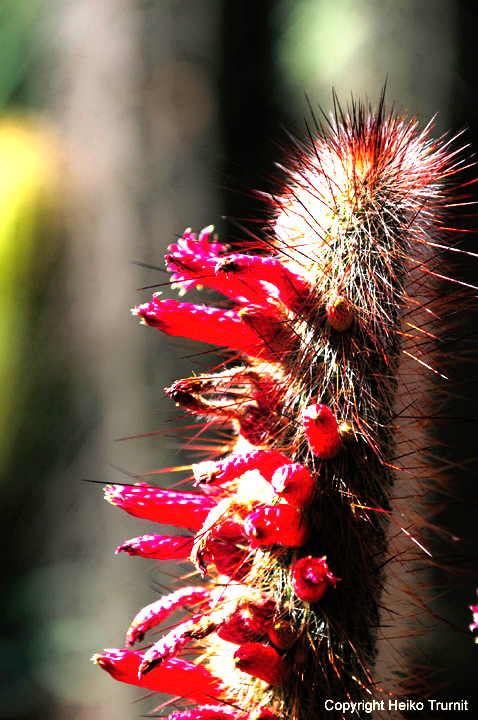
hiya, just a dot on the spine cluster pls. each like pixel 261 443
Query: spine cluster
pixel 329 321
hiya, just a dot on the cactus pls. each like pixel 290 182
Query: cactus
pixel 309 530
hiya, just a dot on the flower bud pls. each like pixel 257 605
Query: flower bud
pixel 310 578
pixel 295 484
pixel 278 524
pixel 339 313
pixel 263 662
pixel 282 634
pixel 321 430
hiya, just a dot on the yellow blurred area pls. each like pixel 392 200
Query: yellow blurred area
pixel 29 188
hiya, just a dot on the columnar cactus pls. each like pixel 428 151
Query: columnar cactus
pixel 298 529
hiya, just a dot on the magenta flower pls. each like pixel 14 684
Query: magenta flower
pixel 251 329
pixel 233 466
pixel 193 262
pixel 158 547
pixel 186 510
pixel 174 676
pixel 188 258
pixel 154 614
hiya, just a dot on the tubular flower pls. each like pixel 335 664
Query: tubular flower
pixel 174 676
pixel 193 262
pixel 325 412
pixel 289 287
pixel 158 547
pixel 251 330
pixel 163 506
pixel 154 614
pixel 232 467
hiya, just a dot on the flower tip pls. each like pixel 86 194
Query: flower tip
pixel 203 472
pixel 103 660
pixel 112 493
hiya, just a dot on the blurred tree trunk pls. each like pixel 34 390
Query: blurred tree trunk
pixel 136 109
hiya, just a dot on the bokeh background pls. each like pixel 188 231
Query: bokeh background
pixel 122 123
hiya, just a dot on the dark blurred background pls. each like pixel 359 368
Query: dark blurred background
pixel 122 123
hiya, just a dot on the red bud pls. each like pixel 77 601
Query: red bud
pixel 278 524
pixel 310 578
pixel 321 430
pixel 263 662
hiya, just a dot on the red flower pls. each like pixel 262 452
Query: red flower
pixel 174 676
pixel 155 613
pixel 168 646
pixel 251 330
pixel 233 466
pixel 187 510
pixel 321 430
pixel 190 257
pixel 193 262
pixel 158 547
pixel 263 662
pixel 287 286
pixel 278 524
pixel 310 578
